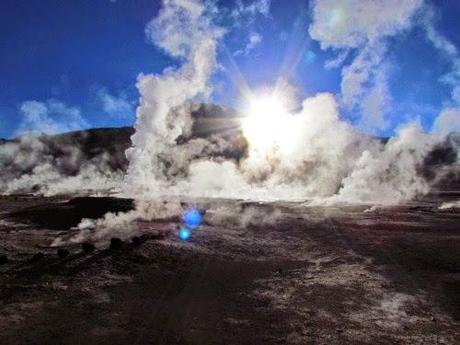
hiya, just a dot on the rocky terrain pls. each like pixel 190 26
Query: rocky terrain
pixel 254 273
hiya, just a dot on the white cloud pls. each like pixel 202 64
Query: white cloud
pixel 117 106
pixel 447 121
pixel 456 94
pixel 180 24
pixel 355 23
pixel 359 73
pixel 253 41
pixel 449 50
pixel 252 9
pixel 49 117
pixel 337 61
pixel 375 104
pixel 362 25
pixel 242 17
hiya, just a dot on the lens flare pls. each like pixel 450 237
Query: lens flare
pixel 192 218
pixel 184 234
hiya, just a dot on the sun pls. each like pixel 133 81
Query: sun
pixel 267 124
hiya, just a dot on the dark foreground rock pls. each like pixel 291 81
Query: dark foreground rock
pixel 88 247
pixel 136 241
pixel 116 243
pixel 62 253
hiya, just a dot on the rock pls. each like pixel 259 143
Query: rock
pixel 136 241
pixel 62 253
pixel 88 247
pixel 37 257
pixel 116 243
pixel 3 259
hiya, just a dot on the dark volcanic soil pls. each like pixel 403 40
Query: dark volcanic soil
pixel 290 275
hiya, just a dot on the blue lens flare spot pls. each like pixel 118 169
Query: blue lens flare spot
pixel 184 234
pixel 192 218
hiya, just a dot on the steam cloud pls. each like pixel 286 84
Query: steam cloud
pixel 32 163
pixel 362 26
pixel 330 161
pixel 184 30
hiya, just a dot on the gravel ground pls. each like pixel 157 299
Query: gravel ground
pixel 254 273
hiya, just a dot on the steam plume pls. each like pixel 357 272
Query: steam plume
pixel 183 30
pixel 327 160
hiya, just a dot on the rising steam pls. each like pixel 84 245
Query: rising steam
pixel 54 165
pixel 309 153
pixel 183 30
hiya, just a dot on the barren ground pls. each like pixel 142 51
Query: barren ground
pixel 313 275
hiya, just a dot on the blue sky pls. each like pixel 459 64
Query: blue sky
pixel 75 63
